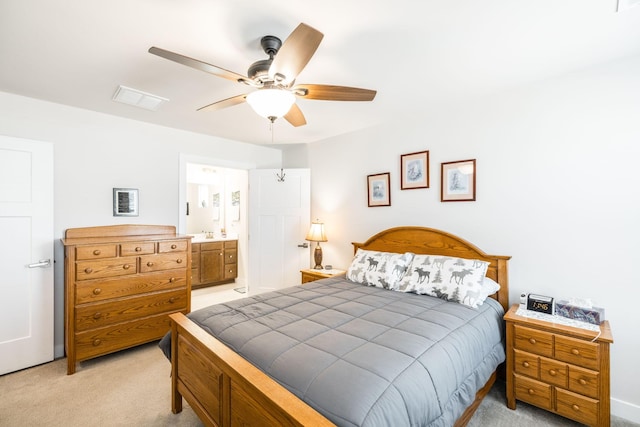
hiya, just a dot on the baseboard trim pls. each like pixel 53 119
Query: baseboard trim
pixel 625 410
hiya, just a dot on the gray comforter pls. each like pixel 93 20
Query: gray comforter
pixel 365 356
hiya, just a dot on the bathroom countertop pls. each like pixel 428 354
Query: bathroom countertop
pixel 201 238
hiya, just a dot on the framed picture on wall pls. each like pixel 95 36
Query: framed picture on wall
pixel 458 181
pixel 378 189
pixel 414 169
pixel 125 202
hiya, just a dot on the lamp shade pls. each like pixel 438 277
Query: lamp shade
pixel 316 233
pixel 271 102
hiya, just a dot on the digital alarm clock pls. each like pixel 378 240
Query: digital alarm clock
pixel 540 303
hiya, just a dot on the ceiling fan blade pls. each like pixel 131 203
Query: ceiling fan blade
pixel 334 93
pixel 295 53
pixel 295 116
pixel 229 102
pixel 199 65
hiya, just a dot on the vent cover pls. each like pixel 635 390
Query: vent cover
pixel 137 98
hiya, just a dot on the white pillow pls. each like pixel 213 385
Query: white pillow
pixel 453 279
pixel 380 269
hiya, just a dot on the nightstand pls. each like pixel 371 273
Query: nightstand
pixel 311 275
pixel 559 368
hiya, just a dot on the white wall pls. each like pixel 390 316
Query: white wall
pixel 557 188
pixel 93 153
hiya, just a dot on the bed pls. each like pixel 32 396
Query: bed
pixel 245 382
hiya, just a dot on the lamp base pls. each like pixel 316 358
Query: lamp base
pixel 317 257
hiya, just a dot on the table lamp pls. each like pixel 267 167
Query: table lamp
pixel 316 234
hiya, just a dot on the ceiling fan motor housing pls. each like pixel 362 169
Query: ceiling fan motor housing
pixel 259 70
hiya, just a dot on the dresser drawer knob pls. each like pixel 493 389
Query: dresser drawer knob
pixel 531 391
pixel 532 340
pixel 88 270
pixel 172 300
pixel 525 364
pixel 553 372
pixel 174 246
pixel 138 248
pixel 96 342
pixel 150 264
pixel 575 351
pixel 97 252
pixel 179 260
pixel 582 381
pixel 126 266
pixel 97 315
pixel 575 407
pixel 230 271
pixel 97 291
pixel 172 279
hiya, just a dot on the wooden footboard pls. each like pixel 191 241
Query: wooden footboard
pixel 224 389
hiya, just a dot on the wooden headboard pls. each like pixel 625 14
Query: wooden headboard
pixel 429 241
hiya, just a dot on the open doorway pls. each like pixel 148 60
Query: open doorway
pixel 213 209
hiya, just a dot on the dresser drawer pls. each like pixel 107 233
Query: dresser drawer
pixel 525 363
pixel 86 270
pixel 92 291
pixel 584 381
pixel 169 261
pixel 577 407
pixel 137 248
pixel 95 315
pixel 577 352
pixel 554 372
pixel 532 391
pixel 95 251
pixel 533 341
pixel 172 246
pixel 112 338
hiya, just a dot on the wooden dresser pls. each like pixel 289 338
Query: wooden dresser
pixel 121 283
pixel 559 368
pixel 214 263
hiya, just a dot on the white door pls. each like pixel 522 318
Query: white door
pixel 26 253
pixel 279 211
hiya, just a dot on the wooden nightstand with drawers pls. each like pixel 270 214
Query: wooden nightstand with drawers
pixel 311 275
pixel 559 368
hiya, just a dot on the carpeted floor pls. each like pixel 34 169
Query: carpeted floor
pixel 132 388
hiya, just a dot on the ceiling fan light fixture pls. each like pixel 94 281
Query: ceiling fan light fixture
pixel 270 103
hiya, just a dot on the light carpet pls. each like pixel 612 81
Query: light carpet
pixel 132 388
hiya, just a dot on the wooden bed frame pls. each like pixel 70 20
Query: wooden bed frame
pixel 226 390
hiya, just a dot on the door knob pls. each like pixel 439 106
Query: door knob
pixel 42 263
pixel 304 245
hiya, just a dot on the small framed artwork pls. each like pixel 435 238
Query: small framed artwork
pixel 378 189
pixel 458 181
pixel 415 170
pixel 125 202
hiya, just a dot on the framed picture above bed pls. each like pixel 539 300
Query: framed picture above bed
pixel 378 189
pixel 458 181
pixel 414 169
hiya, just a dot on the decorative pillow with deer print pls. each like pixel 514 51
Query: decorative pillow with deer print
pixel 453 279
pixel 380 269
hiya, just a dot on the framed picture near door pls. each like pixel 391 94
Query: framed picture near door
pixel 125 202
pixel 378 189
pixel 458 181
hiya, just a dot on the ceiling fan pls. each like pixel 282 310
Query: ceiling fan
pixel 274 78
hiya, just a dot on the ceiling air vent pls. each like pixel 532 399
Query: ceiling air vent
pixel 137 98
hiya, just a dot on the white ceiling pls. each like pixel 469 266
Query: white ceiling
pixel 418 54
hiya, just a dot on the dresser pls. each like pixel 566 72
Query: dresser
pixel 121 283
pixel 214 263
pixel 560 368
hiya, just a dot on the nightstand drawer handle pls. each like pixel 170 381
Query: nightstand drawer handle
pixel 97 315
pixel 96 252
pixel 126 266
pixel 172 300
pixel 575 351
pixel 525 364
pixel 172 279
pixel 532 340
pixel 553 372
pixel 88 270
pixel 531 391
pixel 97 291
pixel 173 246
pixel 179 260
pixel 582 381
pixel 96 342
pixel 575 407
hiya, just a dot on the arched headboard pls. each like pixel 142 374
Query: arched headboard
pixel 429 241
